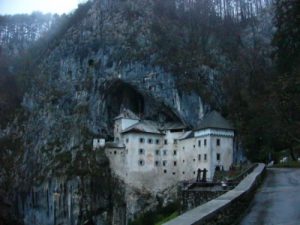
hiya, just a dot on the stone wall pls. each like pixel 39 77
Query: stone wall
pixel 193 198
pixel 227 208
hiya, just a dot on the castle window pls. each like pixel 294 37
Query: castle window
pixel 174 173
pixel 205 156
pixel 204 142
pixel 165 171
pixel 149 141
pixel 199 157
pixel 199 143
pixel 183 161
pixel 218 142
pixel 142 140
pixel 175 152
pixel 194 146
pixel 164 162
pixel 175 163
pixel 164 152
pixel 156 163
pixel 183 172
pixel 141 162
pixel 183 148
pixel 127 140
pixel 157 152
pixel 166 141
pixel 157 141
pixel 175 141
pixel 194 172
pixel 141 151
pixel 115 152
pixel 218 156
pixel 194 160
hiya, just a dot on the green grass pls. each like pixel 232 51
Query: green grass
pixel 158 216
pixel 168 218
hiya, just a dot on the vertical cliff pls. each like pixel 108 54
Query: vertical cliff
pixel 109 54
pixel 83 80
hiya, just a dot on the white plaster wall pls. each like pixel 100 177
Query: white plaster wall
pixel 117 130
pixel 190 151
pixel 225 150
pixel 154 177
pixel 147 175
pixel 127 123
pixel 117 159
pixel 150 176
pixel 120 125
pixel 133 146
pixel 97 143
pixel 172 171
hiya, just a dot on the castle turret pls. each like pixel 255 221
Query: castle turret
pixel 126 119
pixel 216 134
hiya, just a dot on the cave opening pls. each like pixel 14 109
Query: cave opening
pixel 120 95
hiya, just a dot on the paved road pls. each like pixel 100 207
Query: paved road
pixel 277 202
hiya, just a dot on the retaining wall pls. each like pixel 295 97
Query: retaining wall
pixel 227 208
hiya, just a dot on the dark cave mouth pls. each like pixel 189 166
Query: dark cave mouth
pixel 122 95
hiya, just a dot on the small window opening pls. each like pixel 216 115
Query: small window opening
pixel 141 162
pixel 141 151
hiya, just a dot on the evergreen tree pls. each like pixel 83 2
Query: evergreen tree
pixel 287 37
pixel 286 90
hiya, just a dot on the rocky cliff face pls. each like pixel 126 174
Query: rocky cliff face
pixel 103 61
pixel 81 85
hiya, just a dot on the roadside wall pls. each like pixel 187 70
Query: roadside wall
pixel 227 208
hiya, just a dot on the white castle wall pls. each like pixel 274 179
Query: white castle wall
pixel 162 164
